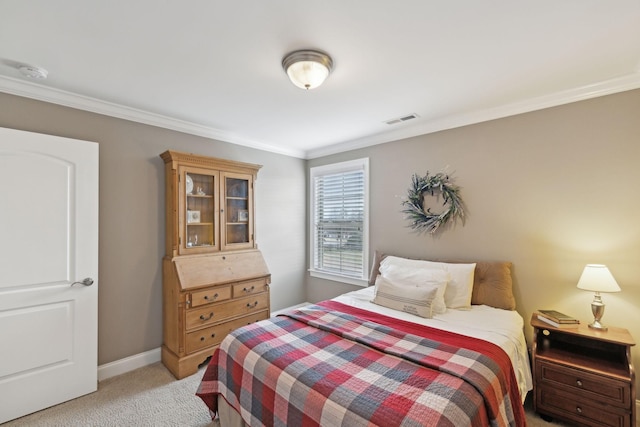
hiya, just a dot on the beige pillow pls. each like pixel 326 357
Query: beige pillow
pixel 493 285
pixel 416 300
pixel 414 274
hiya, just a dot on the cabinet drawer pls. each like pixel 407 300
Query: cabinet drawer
pixel 215 313
pixel 250 287
pixel 215 334
pixel 208 296
pixel 586 412
pixel 592 386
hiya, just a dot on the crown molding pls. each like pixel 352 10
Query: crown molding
pixel 40 92
pixel 60 97
pixel 608 87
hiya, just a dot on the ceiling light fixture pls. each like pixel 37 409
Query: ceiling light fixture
pixel 307 69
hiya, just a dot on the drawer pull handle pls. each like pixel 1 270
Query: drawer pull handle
pixel 206 318
pixel 203 338
pixel 249 290
pixel 254 305
pixel 578 409
pixel 215 296
pixel 579 383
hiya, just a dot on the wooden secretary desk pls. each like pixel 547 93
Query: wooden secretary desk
pixel 215 279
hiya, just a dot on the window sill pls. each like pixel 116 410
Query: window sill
pixel 337 278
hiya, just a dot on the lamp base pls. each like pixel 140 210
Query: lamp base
pixel 597 308
pixel 598 326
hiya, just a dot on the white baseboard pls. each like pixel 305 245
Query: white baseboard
pixel 141 360
pixel 275 313
pixel 128 364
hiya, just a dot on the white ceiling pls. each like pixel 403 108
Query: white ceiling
pixel 213 67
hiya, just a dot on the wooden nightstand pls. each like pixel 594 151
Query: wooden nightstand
pixel 582 375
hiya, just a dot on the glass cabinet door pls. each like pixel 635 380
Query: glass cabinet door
pixel 237 215
pixel 199 207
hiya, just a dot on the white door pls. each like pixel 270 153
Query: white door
pixel 48 242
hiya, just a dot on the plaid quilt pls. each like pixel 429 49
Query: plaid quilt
pixel 335 365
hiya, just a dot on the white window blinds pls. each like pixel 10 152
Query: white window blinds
pixel 339 218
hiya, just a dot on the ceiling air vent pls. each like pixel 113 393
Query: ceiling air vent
pixel 402 119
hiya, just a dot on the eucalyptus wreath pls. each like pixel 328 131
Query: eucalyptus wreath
pixel 424 220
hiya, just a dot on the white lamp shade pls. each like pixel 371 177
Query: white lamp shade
pixel 597 278
pixel 307 69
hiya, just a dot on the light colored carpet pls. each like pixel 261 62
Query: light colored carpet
pixel 148 396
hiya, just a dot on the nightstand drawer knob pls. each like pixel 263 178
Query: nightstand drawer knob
pixel 202 316
pixel 579 383
pixel 254 305
pixel 578 409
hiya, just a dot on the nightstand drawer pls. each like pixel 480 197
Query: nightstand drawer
pixel 210 295
pixel 591 386
pixel 586 412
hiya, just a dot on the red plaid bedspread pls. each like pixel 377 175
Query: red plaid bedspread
pixel 332 364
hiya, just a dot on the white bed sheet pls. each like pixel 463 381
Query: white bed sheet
pixel 503 328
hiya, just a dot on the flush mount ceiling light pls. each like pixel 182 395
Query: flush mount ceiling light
pixel 307 69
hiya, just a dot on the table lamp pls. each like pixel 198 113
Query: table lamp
pixel 597 278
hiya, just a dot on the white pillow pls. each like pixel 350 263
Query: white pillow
pixel 459 289
pixel 409 275
pixel 416 300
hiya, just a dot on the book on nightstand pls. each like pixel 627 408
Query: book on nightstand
pixel 557 319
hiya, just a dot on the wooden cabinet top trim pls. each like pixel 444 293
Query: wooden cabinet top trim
pixel 190 159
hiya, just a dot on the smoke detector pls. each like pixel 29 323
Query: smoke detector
pixel 32 71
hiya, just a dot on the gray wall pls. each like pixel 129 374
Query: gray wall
pixel 132 216
pixel 550 191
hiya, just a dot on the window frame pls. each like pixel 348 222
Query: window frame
pixel 331 169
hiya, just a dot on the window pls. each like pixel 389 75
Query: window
pixel 339 221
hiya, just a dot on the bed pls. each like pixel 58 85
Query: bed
pixel 429 343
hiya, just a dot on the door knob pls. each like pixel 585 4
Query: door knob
pixel 88 281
